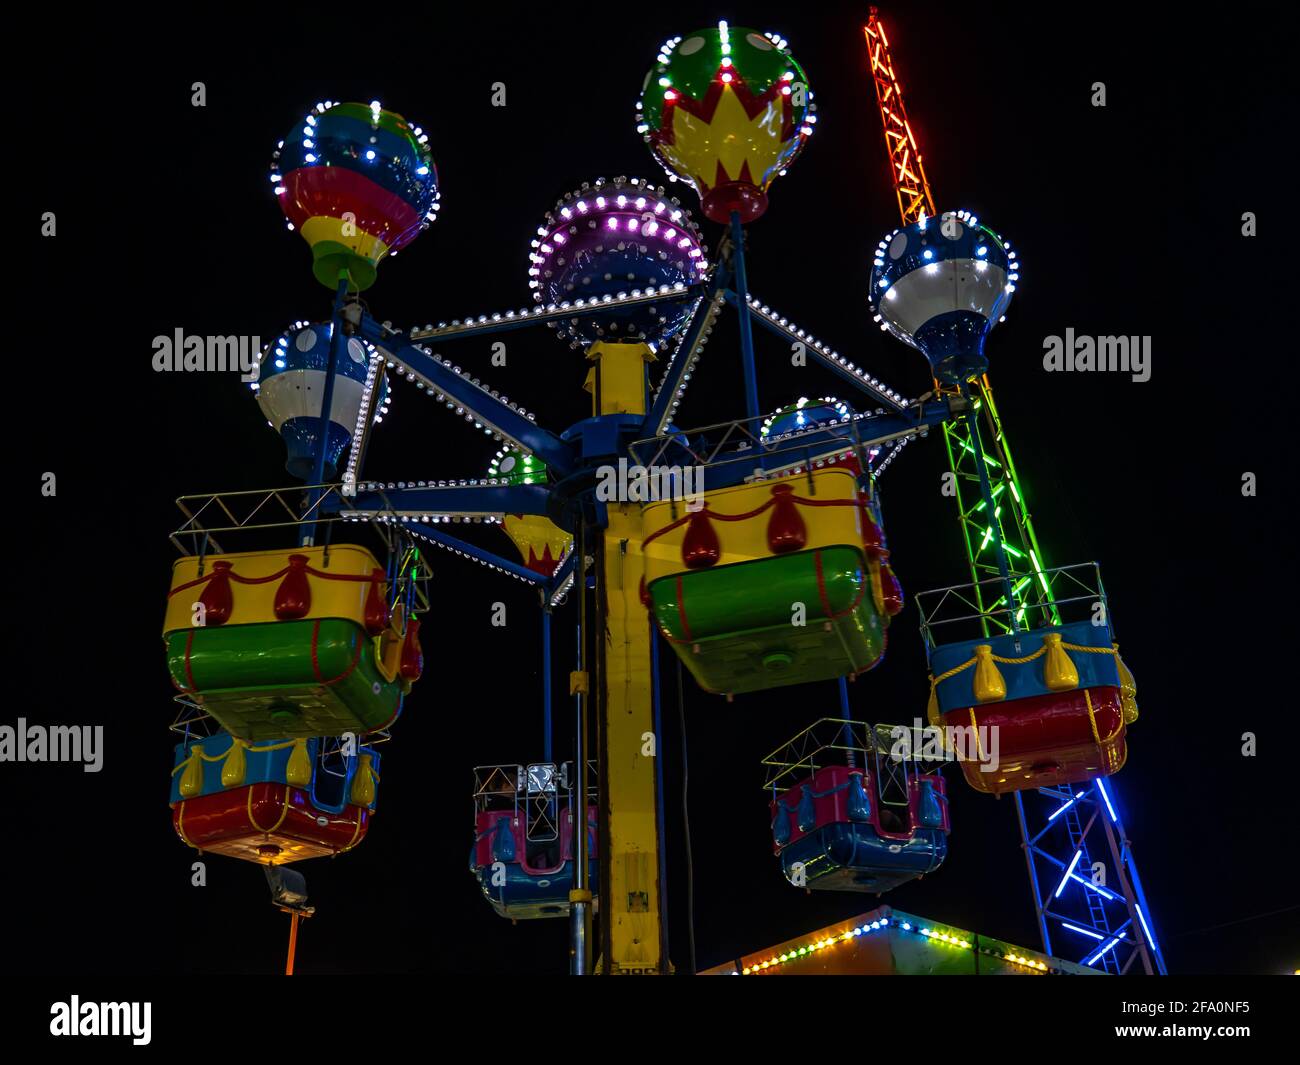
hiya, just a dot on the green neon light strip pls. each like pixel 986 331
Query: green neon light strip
pixel 1003 474
pixel 966 446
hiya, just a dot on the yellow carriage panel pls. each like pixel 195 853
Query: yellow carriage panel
pixel 339 580
pixel 747 539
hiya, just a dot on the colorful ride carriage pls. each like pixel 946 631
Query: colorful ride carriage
pixel 525 850
pixel 855 807
pixel 274 802
pixel 1029 707
pixel 784 579
pixel 291 643
pixel 289 664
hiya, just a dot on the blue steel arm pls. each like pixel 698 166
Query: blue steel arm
pixel 502 323
pixel 851 373
pixel 563 573
pixel 434 535
pixel 492 412
pixel 692 339
pixel 735 467
pixel 453 500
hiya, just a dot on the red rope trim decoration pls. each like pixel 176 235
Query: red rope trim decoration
pixel 315 664
pixel 189 674
pixel 831 615
pixel 272 577
pixel 821 585
pixel 681 610
pixel 750 513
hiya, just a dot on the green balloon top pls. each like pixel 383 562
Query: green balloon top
pixel 693 62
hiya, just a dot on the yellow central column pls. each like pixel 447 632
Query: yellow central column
pixel 629 886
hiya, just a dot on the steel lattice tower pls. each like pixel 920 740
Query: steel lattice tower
pixel 1088 897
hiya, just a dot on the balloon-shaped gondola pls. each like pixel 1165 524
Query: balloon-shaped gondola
pixel 358 183
pixel 940 285
pixel 290 390
pixel 727 109
pixel 612 239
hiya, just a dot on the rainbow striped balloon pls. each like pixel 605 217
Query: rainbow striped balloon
pixel 357 182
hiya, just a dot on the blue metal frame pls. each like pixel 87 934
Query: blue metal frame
pixel 742 313
pixel 1055 834
pixel 1106 925
pixel 454 500
pixel 500 417
pixel 1113 925
pixel 661 408
pixel 307 535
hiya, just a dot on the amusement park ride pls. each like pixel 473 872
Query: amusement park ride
pixel 293 647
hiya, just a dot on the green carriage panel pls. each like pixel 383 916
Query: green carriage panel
pixel 734 626
pixel 285 679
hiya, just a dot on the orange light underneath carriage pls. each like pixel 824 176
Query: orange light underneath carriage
pixel 269 823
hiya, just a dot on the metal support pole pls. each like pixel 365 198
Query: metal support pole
pixel 848 727
pixel 546 677
pixel 580 897
pixel 742 309
pixel 986 491
pixel 1027 845
pixel 308 535
pixel 293 942
pixel 659 793
pixel 1126 873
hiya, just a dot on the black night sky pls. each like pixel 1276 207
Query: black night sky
pixel 1128 221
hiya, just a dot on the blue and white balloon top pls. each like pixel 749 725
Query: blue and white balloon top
pixel 290 390
pixel 940 284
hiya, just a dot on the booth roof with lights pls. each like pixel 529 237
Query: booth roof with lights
pixel 889 942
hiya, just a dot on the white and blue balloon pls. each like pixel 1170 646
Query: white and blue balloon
pixel 290 390
pixel 939 285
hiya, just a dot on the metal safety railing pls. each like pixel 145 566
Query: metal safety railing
pixel 1056 596
pixel 890 752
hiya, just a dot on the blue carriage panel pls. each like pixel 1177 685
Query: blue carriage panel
pixel 211 764
pixel 1024 680
pixel 526 879
pixel 832 833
